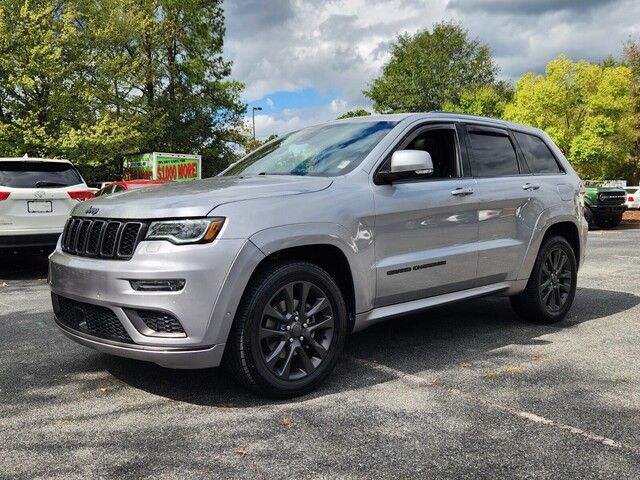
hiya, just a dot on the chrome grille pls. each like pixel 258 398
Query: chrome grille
pixel 102 238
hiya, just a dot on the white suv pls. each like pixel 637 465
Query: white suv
pixel 36 196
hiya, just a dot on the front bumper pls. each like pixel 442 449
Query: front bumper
pixel 28 241
pixel 608 209
pixel 106 283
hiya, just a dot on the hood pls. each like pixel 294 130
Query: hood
pixel 195 198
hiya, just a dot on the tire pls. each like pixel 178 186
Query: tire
pixel 536 302
pixel 271 331
pixel 607 223
pixel 588 215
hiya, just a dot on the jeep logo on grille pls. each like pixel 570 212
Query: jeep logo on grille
pixel 92 211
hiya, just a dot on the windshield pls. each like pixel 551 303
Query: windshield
pixel 21 174
pixel 325 150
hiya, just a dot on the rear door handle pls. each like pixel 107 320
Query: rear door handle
pixel 530 186
pixel 461 192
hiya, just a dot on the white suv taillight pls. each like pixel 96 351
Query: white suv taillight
pixel 4 195
pixel 81 194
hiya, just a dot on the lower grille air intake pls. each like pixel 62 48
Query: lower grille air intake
pixel 90 319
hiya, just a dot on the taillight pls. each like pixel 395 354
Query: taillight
pixel 81 194
pixel 4 195
pixel 629 199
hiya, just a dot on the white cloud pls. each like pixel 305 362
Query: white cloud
pixel 294 119
pixel 340 45
pixel 270 102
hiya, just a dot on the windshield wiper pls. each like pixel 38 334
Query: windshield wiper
pixel 44 183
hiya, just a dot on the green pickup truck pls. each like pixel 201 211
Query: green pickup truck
pixel 604 206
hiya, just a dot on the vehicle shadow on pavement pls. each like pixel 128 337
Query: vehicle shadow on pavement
pixel 23 267
pixel 426 342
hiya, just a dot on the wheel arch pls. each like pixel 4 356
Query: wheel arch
pixel 569 231
pixel 569 226
pixel 328 257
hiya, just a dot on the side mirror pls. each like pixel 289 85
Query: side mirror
pixel 407 164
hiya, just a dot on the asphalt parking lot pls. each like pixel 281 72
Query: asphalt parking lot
pixel 467 391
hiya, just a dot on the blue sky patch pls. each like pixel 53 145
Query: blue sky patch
pixel 306 98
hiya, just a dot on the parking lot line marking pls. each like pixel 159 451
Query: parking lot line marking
pixel 532 417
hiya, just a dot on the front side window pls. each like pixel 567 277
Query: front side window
pixel 492 155
pixel 29 174
pixel 325 150
pixel 441 144
pixel 538 156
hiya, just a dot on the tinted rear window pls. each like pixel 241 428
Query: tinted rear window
pixel 538 156
pixel 492 155
pixel 21 174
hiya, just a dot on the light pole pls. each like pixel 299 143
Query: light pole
pixel 253 116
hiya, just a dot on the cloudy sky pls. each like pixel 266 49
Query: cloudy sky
pixel 307 61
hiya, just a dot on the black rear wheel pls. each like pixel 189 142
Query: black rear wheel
pixel 289 330
pixel 551 288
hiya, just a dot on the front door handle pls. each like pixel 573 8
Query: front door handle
pixel 461 192
pixel 530 186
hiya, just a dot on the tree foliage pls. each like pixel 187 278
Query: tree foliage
pixel 430 69
pixel 359 112
pixel 632 60
pixel 587 110
pixel 486 100
pixel 93 81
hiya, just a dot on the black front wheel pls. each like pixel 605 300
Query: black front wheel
pixel 551 288
pixel 588 215
pixel 607 223
pixel 289 330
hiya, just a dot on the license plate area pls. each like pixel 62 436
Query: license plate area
pixel 39 206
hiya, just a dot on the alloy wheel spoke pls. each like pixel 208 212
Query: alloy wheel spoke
pixel 302 305
pixel 288 298
pixel 307 364
pixel 326 323
pixel 273 312
pixel 273 357
pixel 563 261
pixel 286 368
pixel 317 347
pixel 321 304
pixel 270 333
pixel 545 296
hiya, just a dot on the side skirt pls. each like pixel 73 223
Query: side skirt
pixel 366 319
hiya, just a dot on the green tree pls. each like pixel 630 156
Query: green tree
pixel 587 110
pixel 96 80
pixel 359 112
pixel 486 100
pixel 429 69
pixel 41 76
pixel 632 60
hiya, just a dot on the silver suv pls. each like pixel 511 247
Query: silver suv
pixel 326 231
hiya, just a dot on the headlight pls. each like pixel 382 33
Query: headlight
pixel 201 230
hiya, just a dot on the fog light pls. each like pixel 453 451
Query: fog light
pixel 157 285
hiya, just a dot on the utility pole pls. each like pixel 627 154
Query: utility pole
pixel 253 116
